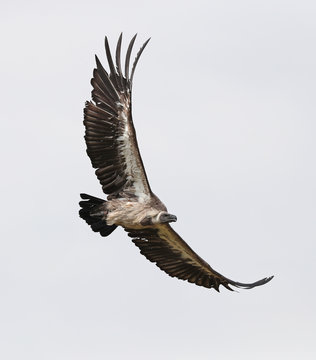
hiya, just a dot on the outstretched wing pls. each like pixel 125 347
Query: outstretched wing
pixel 163 246
pixel 110 135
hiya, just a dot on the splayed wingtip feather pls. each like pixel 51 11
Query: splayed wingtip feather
pixel 128 56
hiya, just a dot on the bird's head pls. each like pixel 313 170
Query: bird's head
pixel 165 217
pixel 160 218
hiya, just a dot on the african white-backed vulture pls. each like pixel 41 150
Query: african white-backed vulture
pixel 112 147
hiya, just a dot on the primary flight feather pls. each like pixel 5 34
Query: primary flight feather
pixel 112 147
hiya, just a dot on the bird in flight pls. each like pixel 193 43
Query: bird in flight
pixel 112 148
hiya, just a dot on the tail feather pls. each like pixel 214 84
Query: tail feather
pixel 89 213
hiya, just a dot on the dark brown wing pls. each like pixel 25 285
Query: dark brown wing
pixel 110 135
pixel 163 246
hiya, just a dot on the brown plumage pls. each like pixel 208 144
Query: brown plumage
pixel 112 147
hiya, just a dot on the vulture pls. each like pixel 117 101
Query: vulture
pixel 112 148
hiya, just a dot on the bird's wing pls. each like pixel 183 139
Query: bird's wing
pixel 163 246
pixel 110 135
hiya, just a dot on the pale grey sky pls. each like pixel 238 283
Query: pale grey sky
pixel 224 109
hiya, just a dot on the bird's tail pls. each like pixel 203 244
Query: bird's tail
pixel 89 212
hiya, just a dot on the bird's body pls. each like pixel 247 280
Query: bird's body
pixel 112 147
pixel 131 212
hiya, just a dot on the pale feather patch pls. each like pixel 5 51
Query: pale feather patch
pixel 133 171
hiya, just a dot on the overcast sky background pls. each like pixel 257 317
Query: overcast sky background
pixel 224 108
